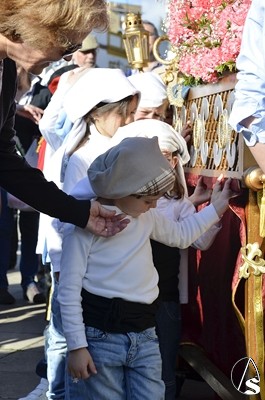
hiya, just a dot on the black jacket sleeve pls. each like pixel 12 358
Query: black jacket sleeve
pixel 23 181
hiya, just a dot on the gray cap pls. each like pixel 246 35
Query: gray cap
pixel 134 166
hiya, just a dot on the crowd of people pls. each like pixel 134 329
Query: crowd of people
pixel 109 209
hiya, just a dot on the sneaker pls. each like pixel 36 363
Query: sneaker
pixel 6 297
pixel 39 393
pixel 33 295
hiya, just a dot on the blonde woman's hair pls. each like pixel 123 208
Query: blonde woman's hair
pixel 46 23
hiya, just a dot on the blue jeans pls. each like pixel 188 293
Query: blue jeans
pixel 56 351
pixel 168 329
pixel 128 365
pixel 6 231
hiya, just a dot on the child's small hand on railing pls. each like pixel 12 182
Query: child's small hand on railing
pixel 222 193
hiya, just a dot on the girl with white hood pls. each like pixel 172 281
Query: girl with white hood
pixel 84 113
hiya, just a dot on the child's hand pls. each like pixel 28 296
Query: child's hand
pixel 201 193
pixel 186 131
pixel 80 364
pixel 221 195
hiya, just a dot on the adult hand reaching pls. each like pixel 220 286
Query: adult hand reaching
pixel 29 111
pixel 103 222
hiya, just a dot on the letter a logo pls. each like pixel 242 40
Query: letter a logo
pixel 245 376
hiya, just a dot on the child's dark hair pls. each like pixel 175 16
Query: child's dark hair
pixel 178 190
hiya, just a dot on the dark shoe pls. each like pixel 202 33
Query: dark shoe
pixel 33 295
pixel 6 297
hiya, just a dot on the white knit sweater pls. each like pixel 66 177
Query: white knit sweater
pixel 121 265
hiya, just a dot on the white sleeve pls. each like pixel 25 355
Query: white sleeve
pixel 250 86
pixel 53 111
pixel 53 236
pixel 75 171
pixel 83 190
pixel 49 119
pixel 183 233
pixel 183 209
pixel 76 247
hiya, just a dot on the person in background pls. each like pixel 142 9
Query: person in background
pixel 95 120
pixel 23 25
pixel 96 117
pixel 115 314
pixel 31 99
pixel 153 35
pixel 154 102
pixel 248 111
pixel 87 55
pixel 27 131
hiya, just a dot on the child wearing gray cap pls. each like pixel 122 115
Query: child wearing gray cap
pixel 108 287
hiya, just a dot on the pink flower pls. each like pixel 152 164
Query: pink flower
pixel 206 34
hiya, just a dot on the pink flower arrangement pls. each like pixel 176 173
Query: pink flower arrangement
pixel 207 36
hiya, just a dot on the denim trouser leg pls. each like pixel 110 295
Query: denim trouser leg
pixel 28 225
pixel 6 230
pixel 128 367
pixel 168 328
pixel 56 351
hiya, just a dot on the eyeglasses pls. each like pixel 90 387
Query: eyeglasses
pixel 71 48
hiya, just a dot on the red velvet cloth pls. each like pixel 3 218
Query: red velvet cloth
pixel 209 319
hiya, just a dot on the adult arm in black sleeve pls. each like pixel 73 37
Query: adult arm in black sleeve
pixel 23 181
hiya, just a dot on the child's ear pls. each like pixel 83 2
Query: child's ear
pixel 175 161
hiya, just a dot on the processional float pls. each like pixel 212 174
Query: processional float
pixel 235 265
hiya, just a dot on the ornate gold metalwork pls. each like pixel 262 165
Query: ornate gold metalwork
pixel 156 53
pixel 252 257
pixel 171 76
pixel 197 133
pixel 173 83
pixel 255 180
pixel 135 40
pixel 223 136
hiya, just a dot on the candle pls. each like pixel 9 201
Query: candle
pixel 137 53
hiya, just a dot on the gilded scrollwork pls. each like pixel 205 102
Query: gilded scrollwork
pixel 179 118
pixel 223 147
pixel 252 259
pixel 199 144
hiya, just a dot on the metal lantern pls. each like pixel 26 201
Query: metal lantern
pixel 136 42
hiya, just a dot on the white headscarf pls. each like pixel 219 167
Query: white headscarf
pixel 94 86
pixel 152 88
pixel 168 139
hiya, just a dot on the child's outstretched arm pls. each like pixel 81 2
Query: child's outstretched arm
pixel 221 195
pixel 80 364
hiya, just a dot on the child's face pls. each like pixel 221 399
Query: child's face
pixel 108 123
pixel 150 113
pixel 133 206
